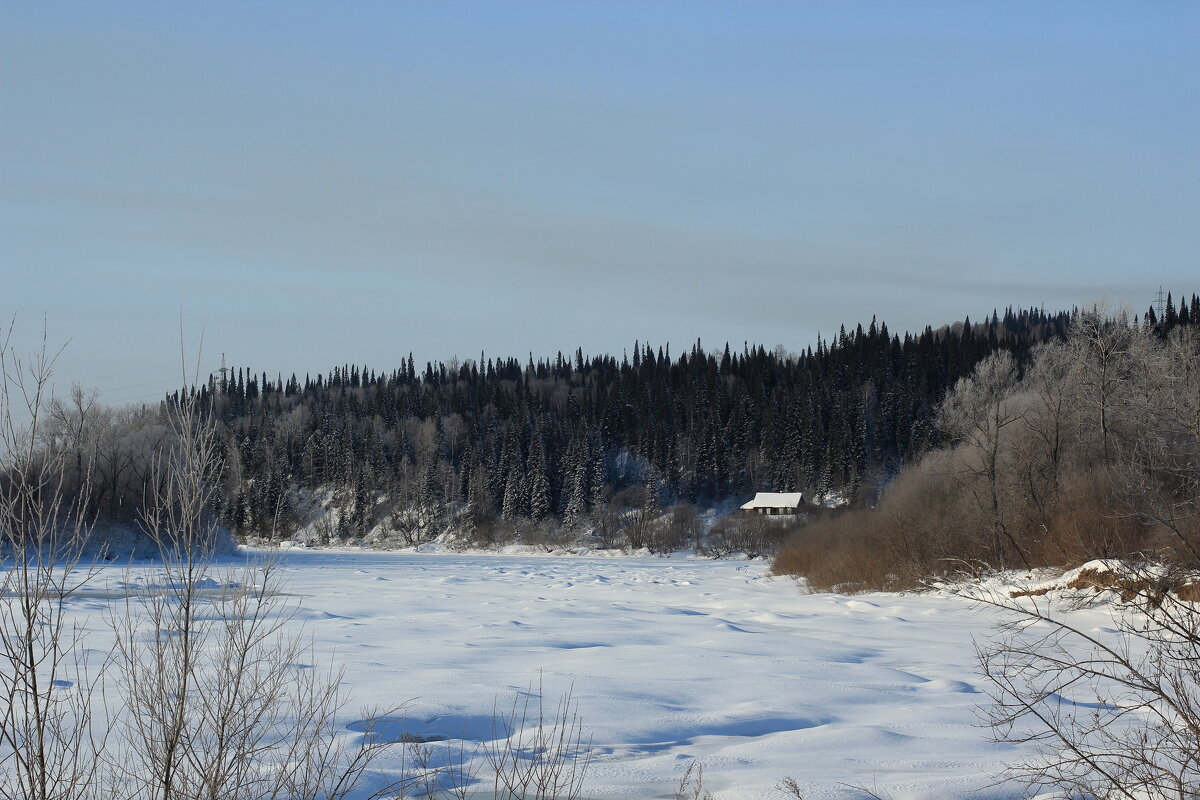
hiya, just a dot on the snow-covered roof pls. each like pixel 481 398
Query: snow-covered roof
pixel 775 500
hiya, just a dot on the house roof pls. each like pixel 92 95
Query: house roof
pixel 775 500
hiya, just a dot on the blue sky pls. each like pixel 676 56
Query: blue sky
pixel 324 183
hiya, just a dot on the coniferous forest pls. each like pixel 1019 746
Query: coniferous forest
pixel 560 438
pixel 568 442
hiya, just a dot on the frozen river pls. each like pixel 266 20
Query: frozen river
pixel 671 660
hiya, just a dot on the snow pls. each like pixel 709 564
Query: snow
pixel 670 660
pixel 1083 583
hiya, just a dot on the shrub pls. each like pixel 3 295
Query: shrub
pixel 842 553
pixel 753 535
pixel 536 752
pixel 1111 714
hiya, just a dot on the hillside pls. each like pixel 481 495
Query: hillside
pixel 494 450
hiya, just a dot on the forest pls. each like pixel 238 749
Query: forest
pixel 492 449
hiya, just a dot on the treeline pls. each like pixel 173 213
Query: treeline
pixel 568 443
pixel 562 438
pixel 1089 450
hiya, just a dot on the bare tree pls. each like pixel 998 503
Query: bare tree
pixel 159 674
pixel 231 707
pixel 1113 716
pixel 71 429
pixel 220 704
pixel 606 526
pixel 977 414
pixel 1103 345
pixel 47 747
pixel 1158 476
pixel 1049 430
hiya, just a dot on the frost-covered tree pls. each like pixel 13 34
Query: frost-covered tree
pixel 537 480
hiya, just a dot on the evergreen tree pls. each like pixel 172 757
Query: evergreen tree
pixel 537 480
pixel 576 475
pixel 514 492
pixel 651 506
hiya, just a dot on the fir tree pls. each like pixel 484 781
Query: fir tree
pixel 537 480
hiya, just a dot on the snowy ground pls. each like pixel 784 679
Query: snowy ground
pixel 671 660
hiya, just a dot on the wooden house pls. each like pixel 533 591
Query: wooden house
pixel 772 503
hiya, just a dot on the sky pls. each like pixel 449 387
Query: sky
pixel 316 184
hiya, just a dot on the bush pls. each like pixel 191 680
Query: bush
pixel 547 534
pixel 1111 713
pixel 755 536
pixel 537 752
pixel 843 553
pixel 677 530
pixel 926 526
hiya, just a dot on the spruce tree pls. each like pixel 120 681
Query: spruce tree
pixel 651 505
pixel 537 480
pixel 514 492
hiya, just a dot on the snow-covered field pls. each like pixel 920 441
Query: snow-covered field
pixel 670 660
